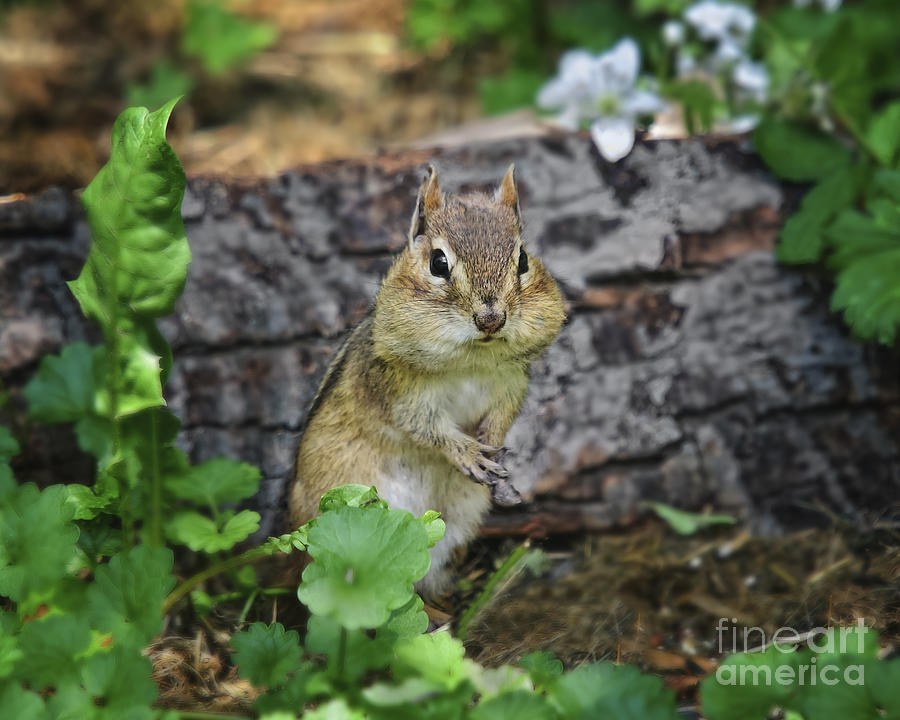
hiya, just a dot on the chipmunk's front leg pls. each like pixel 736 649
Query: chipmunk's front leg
pixel 431 426
pixel 492 431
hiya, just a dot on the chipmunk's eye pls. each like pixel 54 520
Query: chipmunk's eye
pixel 439 265
pixel 523 262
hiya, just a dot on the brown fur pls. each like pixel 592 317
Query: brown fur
pixel 415 402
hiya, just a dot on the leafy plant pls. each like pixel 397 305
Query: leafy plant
pixel 87 577
pixel 212 34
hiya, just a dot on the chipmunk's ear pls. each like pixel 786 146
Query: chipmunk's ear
pixel 507 194
pixel 428 200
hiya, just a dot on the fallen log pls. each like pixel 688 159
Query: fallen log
pixel 694 369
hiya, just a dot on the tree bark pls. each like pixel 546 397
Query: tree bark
pixel 694 369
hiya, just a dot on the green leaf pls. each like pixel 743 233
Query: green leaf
pixel 867 257
pixel 9 448
pixel 200 533
pixel 119 681
pixel 434 526
pixel 407 621
pixel 351 496
pixel 336 709
pixel 699 103
pixel 62 389
pixel 127 594
pixel 615 691
pixel 803 235
pixel 215 482
pixel 50 647
pixel 266 654
pixel 365 563
pixel 10 654
pixel 361 653
pixel 884 134
pixel 95 436
pixel 543 667
pixel 438 658
pixel 220 38
pixel 746 687
pixel 686 523
pixel 289 542
pixel 37 540
pixel 519 704
pixel 798 153
pixel 21 704
pixel 166 81
pixel 137 264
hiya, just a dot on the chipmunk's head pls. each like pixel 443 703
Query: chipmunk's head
pixel 465 286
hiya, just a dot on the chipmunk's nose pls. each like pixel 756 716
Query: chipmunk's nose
pixel 489 320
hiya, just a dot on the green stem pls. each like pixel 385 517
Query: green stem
pixel 223 566
pixel 155 484
pixel 246 607
pixel 238 594
pixel 490 588
pixel 342 651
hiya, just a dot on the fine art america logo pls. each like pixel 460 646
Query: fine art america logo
pixel 811 669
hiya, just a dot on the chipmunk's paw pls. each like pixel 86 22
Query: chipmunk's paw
pixel 480 462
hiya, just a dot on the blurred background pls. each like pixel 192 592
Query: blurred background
pixel 270 84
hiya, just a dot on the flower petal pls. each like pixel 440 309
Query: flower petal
pixel 614 137
pixel 623 62
pixel 641 102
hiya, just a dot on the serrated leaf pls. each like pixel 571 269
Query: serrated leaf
pixel 350 496
pixel 867 257
pixel 119 681
pixel 289 542
pixel 50 646
pixel 796 152
pixel 216 482
pixel 365 563
pixel 127 594
pixel 62 389
pixel 266 654
pixel 137 264
pixel 884 134
pixel 37 540
pixel 616 691
pixel 803 235
pixel 200 533
pixel 687 523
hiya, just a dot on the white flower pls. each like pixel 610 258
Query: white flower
pixel 601 90
pixel 727 24
pixel 752 79
pixel 673 33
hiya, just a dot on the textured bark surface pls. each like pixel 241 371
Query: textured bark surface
pixel 694 369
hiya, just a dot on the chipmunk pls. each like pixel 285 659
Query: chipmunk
pixel 420 396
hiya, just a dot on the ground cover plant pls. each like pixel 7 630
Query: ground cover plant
pixel 88 572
